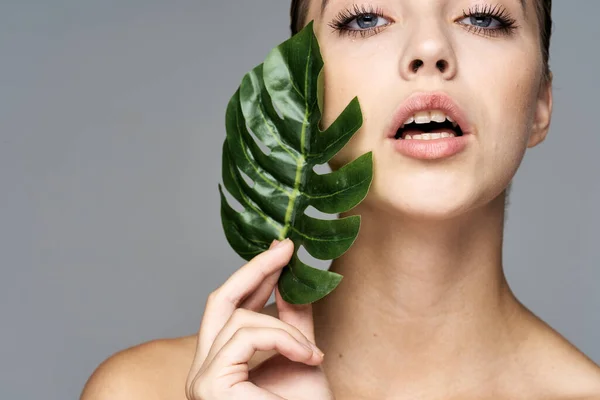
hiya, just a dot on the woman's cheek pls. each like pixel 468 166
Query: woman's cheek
pixel 518 94
pixel 342 84
pixel 371 81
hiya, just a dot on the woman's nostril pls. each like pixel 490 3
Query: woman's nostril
pixel 441 65
pixel 416 64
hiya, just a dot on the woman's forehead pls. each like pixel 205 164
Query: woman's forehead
pixel 324 3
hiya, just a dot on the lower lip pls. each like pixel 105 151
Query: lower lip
pixel 431 149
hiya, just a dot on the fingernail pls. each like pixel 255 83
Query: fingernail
pixel 273 243
pixel 282 243
pixel 316 350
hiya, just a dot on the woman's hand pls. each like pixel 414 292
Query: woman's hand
pixel 232 330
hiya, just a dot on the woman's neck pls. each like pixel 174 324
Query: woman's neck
pixel 420 297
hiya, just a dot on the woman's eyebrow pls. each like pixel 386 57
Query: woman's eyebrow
pixel 324 4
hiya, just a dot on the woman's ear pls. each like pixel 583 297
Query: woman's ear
pixel 543 113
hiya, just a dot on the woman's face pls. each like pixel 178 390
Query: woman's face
pixel 489 63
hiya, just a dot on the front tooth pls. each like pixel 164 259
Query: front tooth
pixel 423 117
pixel 438 116
pixel 429 136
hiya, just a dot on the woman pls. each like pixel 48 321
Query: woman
pixel 424 310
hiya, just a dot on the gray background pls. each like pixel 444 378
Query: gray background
pixel 111 124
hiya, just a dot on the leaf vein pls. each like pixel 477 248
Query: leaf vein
pixel 276 137
pixel 256 169
pixel 340 137
pixel 316 239
pixel 257 210
pixel 344 189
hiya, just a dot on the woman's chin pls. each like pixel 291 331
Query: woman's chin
pixel 421 204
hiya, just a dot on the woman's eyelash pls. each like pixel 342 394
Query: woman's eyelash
pixel 344 17
pixel 498 12
pixel 507 23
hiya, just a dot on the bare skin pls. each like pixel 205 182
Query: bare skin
pixel 551 369
pixel 424 310
pixel 536 362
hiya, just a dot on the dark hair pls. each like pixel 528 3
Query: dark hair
pixel 299 12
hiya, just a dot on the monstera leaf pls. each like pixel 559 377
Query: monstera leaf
pixel 280 102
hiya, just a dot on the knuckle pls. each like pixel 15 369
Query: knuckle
pixel 282 334
pixel 219 296
pixel 243 333
pixel 239 315
pixel 293 331
pixel 213 297
pixel 200 390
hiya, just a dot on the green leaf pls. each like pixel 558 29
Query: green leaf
pixel 290 83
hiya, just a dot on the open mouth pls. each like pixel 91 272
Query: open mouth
pixel 428 125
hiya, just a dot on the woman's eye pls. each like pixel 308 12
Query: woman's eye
pixel 367 21
pixel 483 21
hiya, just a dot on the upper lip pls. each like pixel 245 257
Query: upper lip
pixel 423 101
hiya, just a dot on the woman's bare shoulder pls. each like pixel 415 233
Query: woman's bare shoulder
pixel 556 366
pixel 158 369
pixel 578 378
pixel 152 370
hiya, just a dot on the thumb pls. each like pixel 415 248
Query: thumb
pixel 298 315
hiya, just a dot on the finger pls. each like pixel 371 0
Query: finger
pixel 223 302
pixel 228 371
pixel 247 341
pixel 298 315
pixel 242 318
pixel 210 325
pixel 273 243
pixel 257 300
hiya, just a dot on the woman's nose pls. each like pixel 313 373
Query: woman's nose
pixel 428 52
